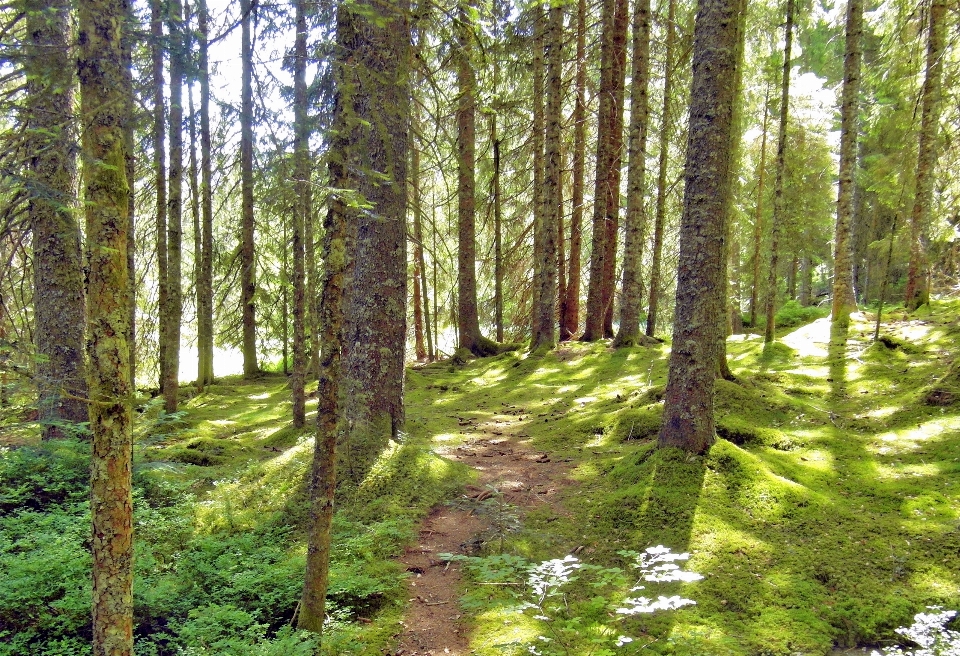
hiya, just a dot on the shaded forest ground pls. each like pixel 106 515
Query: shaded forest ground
pixel 825 517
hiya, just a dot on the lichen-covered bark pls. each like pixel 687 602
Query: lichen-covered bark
pixel 606 198
pixel 666 131
pixel 570 317
pixel 688 421
pixel 375 304
pixel 248 286
pixel 917 291
pixel 843 296
pixel 636 219
pixel 52 206
pixel 777 227
pixel 104 93
pixel 544 331
pixel 174 306
pixel 301 214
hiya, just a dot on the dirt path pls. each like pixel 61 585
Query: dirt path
pixel 434 624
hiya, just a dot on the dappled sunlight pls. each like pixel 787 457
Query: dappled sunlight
pixel 811 340
pixel 261 397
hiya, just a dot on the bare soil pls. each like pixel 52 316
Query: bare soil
pixel 434 624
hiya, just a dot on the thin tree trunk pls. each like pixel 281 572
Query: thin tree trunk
pixel 301 215
pixel 247 263
pixel 777 228
pixel 629 333
pixel 666 129
pixel 419 343
pixel 843 298
pixel 417 211
pixel 105 95
pixel 758 214
pixel 806 280
pixel 688 420
pixel 497 231
pixel 918 274
pixel 570 321
pixel 160 182
pixel 205 297
pixel 197 228
pixel 52 200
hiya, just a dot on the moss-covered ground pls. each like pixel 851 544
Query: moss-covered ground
pixel 826 515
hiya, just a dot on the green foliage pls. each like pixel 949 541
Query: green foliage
pixel 792 314
pixel 54 473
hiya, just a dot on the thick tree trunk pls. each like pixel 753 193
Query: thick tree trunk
pixel 918 274
pixel 688 421
pixel 301 215
pixel 544 329
pixel 570 319
pixel 375 307
pixel 248 286
pixel 606 202
pixel 174 307
pixel 666 130
pixel 844 301
pixel 636 219
pixel 105 94
pixel 777 228
pixel 52 203
pixel 205 283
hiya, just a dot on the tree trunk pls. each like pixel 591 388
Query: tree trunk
pixel 843 299
pixel 205 284
pixel 666 130
pixel 52 200
pixel 375 307
pixel 758 214
pixel 468 321
pixel 174 306
pixel 607 187
pixel 806 280
pixel 417 211
pixel 543 329
pixel 570 320
pixel 105 93
pixel 195 193
pixel 629 333
pixel 688 421
pixel 301 215
pixel 160 182
pixel 918 274
pixel 247 263
pixel 497 231
pixel 777 228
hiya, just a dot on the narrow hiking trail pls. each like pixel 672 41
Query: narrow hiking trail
pixel 507 468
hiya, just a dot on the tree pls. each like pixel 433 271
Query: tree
pixel 301 214
pixel 52 206
pixel 205 274
pixel 698 332
pixel 160 183
pixel 629 332
pixel 247 263
pixel 844 300
pixel 918 290
pixel 104 95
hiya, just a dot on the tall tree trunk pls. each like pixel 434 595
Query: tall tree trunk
pixel 417 211
pixel 544 332
pixel 629 333
pixel 52 201
pixel 105 93
pixel 195 193
pixel 247 263
pixel 777 228
pixel 419 341
pixel 606 201
pixel 376 302
pixel 758 214
pixel 497 230
pixel 130 29
pixel 160 182
pixel 570 320
pixel 666 130
pixel 806 280
pixel 301 215
pixel 688 421
pixel 174 307
pixel 918 274
pixel 843 298
pixel 205 284
pixel 468 321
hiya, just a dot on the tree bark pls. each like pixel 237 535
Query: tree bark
pixel 160 183
pixel 497 230
pixel 247 263
pixel 777 228
pixel 174 307
pixel 570 319
pixel 51 205
pixel 688 421
pixel 205 283
pixel 636 219
pixel 301 214
pixel 105 93
pixel 758 214
pixel 844 301
pixel 917 292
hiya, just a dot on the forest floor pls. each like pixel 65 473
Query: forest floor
pixel 511 514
